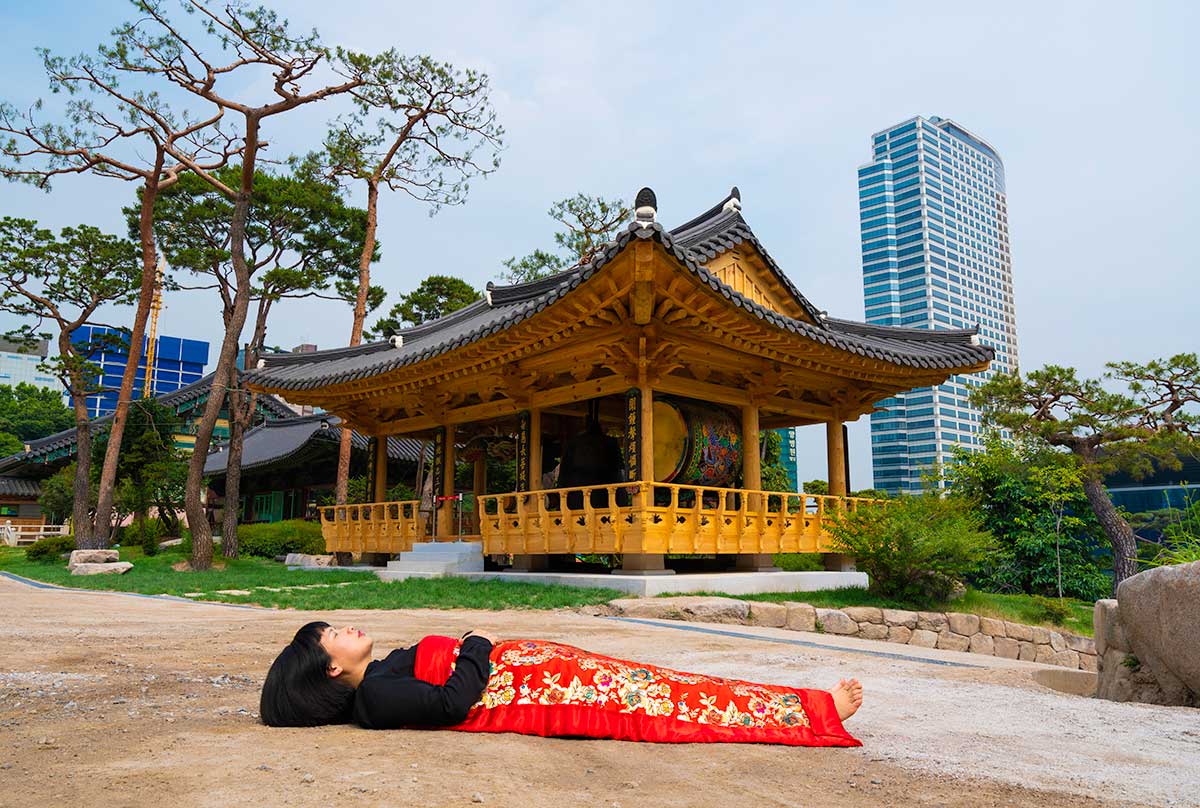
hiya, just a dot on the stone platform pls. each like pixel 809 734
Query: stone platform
pixel 730 583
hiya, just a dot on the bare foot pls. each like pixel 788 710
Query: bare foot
pixel 847 697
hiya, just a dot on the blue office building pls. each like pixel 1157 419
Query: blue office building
pixel 935 249
pixel 177 362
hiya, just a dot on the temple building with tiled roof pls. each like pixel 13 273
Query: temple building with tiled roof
pixel 635 386
pixel 290 465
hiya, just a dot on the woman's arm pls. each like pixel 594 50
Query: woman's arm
pixel 387 702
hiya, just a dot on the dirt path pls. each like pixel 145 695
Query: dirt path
pixel 114 700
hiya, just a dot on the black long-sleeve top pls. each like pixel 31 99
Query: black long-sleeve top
pixel 391 696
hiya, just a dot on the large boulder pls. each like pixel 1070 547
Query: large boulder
pixel 111 568
pixel 307 560
pixel 91 557
pixel 1106 623
pixel 1158 610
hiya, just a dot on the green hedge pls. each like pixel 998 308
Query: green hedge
pixel 50 549
pixel 280 538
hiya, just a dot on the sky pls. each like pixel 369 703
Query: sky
pixel 1093 108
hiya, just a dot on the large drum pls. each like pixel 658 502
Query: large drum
pixel 695 443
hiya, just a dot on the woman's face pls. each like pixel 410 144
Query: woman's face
pixel 347 648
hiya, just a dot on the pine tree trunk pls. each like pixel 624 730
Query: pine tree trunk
pixel 1119 533
pixel 85 538
pixel 233 471
pixel 343 466
pixel 108 472
pixel 356 329
pixel 202 546
pixel 81 518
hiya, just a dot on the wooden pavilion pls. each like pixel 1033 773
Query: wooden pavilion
pixel 647 373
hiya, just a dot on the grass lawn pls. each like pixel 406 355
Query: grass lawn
pixel 322 590
pixel 1014 608
pixel 268 583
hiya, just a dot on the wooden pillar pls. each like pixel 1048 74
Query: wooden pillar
pixel 381 459
pixel 752 480
pixel 646 438
pixel 835 444
pixel 535 449
pixel 751 448
pixel 447 527
pixel 479 486
pixel 640 563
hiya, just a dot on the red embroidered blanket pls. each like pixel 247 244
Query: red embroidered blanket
pixel 549 689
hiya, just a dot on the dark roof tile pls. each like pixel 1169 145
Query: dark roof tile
pixel 176 399
pixel 20 487
pixel 275 441
pixel 512 304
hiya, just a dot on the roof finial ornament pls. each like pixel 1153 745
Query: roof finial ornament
pixel 645 208
pixel 734 202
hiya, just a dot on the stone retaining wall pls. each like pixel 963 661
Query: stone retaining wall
pixel 952 631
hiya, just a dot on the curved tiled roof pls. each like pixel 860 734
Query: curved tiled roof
pixel 722 228
pixel 275 441
pixel 20 487
pixel 176 399
pixel 692 244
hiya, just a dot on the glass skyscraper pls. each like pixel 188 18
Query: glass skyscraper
pixel 936 255
pixel 20 364
pixel 177 362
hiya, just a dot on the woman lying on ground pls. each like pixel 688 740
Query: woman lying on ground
pixel 327 676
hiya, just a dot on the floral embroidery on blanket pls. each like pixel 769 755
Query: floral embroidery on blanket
pixel 544 673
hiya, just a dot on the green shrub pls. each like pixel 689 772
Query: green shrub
pixel 280 538
pixel 1052 610
pixel 916 549
pixel 50 549
pixel 146 533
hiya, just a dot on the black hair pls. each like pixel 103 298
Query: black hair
pixel 298 691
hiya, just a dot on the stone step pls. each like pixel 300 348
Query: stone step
pixel 430 558
pixel 455 564
pixel 440 558
pixel 448 547
pixel 401 575
pixel 445 558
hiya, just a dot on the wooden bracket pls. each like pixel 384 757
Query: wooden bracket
pixel 641 297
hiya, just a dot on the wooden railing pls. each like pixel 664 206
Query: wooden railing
pixel 16 534
pixel 376 527
pixel 649 517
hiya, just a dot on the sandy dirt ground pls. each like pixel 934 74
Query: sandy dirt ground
pixel 116 700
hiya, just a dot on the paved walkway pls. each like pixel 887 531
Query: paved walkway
pixel 175 684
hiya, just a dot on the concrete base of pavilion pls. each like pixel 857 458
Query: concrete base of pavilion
pixel 729 583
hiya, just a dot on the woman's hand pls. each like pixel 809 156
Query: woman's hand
pixel 486 635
